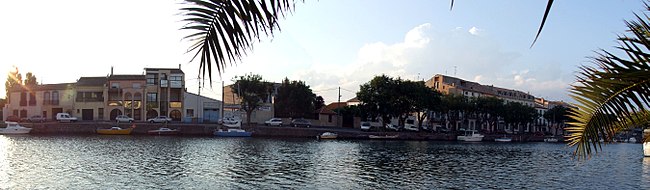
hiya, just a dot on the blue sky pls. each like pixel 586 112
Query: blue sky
pixel 325 43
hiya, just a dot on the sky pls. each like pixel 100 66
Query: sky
pixel 328 44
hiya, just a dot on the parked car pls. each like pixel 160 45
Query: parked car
pixel 300 123
pixel 13 118
pixel 409 125
pixel 124 118
pixel 365 126
pixel 159 119
pixel 65 117
pixel 273 122
pixel 36 118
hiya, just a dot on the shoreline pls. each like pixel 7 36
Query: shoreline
pixel 193 129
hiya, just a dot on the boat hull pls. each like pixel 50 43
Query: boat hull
pixel 503 140
pixel 114 132
pixel 232 134
pixel 162 132
pixel 15 131
pixel 383 137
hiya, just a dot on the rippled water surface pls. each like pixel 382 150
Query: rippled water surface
pixel 143 162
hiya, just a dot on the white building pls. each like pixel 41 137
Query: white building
pixel 200 108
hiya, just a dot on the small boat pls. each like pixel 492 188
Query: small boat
pixel 470 136
pixel 14 128
pixel 233 132
pixel 163 131
pixel 383 136
pixel 327 135
pixel 632 140
pixel 235 124
pixel 116 131
pixel 551 139
pixel 503 139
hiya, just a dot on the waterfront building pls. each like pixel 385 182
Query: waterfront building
pixel 125 96
pixel 90 102
pixel 46 100
pixel 201 109
pixel 164 92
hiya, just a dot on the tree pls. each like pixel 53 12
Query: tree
pixel 556 115
pixel 519 114
pixel 223 31
pixel 296 100
pixel 453 108
pixel 252 91
pixel 377 98
pixel 30 79
pixel 489 109
pixel 424 100
pixel 14 78
pixel 613 95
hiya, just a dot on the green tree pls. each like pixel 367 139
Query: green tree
pixel 30 79
pixel 557 116
pixel 424 100
pixel 252 91
pixel 489 109
pixel 519 115
pixel 223 31
pixel 453 107
pixel 613 95
pixel 14 78
pixel 296 100
pixel 377 97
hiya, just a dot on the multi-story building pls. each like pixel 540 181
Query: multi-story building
pixel 45 100
pixel 90 98
pixel 453 85
pixel 125 96
pixel 164 92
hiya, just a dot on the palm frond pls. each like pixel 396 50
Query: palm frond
pixel 613 95
pixel 224 30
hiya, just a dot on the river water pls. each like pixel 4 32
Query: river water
pixel 146 162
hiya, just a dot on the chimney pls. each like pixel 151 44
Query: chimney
pixel 179 66
pixel 111 70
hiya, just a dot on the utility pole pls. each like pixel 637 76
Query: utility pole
pixel 222 99
pixel 339 122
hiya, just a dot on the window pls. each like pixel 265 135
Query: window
pixel 152 97
pixel 329 118
pixel 80 97
pixel 175 104
pixel 100 113
pixel 46 98
pixel 189 112
pixel 55 98
pixel 137 85
pixel 32 99
pixel 115 85
pixel 151 79
pixel 23 99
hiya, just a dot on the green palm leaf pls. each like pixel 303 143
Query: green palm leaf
pixel 223 30
pixel 613 95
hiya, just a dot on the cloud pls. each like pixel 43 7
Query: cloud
pixel 474 31
pixel 426 51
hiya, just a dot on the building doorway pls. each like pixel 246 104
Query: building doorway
pixel 114 113
pixel 55 111
pixel 175 115
pixel 152 114
pixel 87 114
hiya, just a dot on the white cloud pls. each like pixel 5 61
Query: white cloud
pixel 427 51
pixel 474 31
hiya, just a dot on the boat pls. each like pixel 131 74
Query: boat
pixel 232 123
pixel 551 139
pixel 233 132
pixel 470 136
pixel 115 130
pixel 327 135
pixel 163 131
pixel 383 136
pixel 503 139
pixel 14 128
pixel 632 140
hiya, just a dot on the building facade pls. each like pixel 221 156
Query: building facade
pixel 201 109
pixel 45 100
pixel 165 89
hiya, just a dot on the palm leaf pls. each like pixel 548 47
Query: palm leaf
pixel 613 95
pixel 222 31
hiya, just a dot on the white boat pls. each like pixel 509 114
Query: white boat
pixel 233 132
pixel 14 128
pixel 503 139
pixel 327 135
pixel 383 136
pixel 632 140
pixel 551 139
pixel 470 136
pixel 236 124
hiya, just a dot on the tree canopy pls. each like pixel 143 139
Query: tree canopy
pixel 252 91
pixel 296 100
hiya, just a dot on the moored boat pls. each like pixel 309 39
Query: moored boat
pixel 470 136
pixel 551 139
pixel 383 136
pixel 14 128
pixel 163 131
pixel 233 132
pixel 327 135
pixel 503 139
pixel 116 131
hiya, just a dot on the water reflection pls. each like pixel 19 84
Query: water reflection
pixel 142 162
